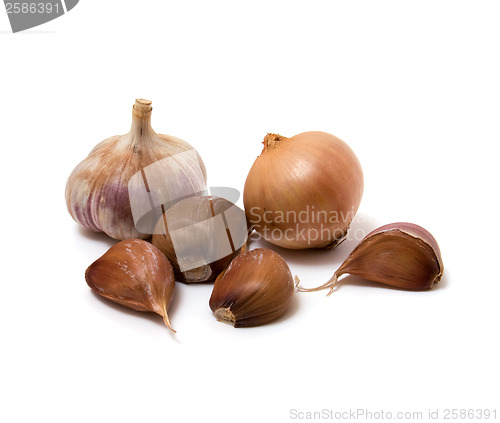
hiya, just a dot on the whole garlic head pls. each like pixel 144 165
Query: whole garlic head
pixel 128 181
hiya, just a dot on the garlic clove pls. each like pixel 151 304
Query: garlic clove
pixel 402 255
pixel 255 289
pixel 135 274
pixel 128 181
pixel 200 236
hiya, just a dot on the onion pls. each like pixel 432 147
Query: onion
pixel 303 191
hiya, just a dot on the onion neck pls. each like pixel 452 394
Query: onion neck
pixel 271 141
pixel 141 119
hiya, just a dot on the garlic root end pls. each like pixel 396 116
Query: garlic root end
pixel 225 315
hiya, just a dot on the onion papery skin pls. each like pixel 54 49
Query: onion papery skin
pixel 303 191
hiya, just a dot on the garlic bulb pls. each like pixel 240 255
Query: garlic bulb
pixel 128 181
pixel 135 274
pixel 200 236
pixel 403 255
pixel 303 191
pixel 255 289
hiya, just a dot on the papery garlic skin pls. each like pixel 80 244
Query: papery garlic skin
pixel 134 273
pixel 303 191
pixel 102 190
pixel 255 289
pixel 401 254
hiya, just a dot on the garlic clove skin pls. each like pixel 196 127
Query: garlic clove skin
pixel 135 274
pixel 402 255
pixel 255 289
pixel 120 187
pixel 303 191
pixel 200 236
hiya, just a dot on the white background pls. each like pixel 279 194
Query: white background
pixel 412 87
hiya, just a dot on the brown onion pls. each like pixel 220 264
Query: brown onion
pixel 303 192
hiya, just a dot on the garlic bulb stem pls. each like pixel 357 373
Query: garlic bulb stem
pixel 141 119
pixel 143 106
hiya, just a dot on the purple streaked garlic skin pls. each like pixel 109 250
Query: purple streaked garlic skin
pixel 402 255
pixel 101 189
